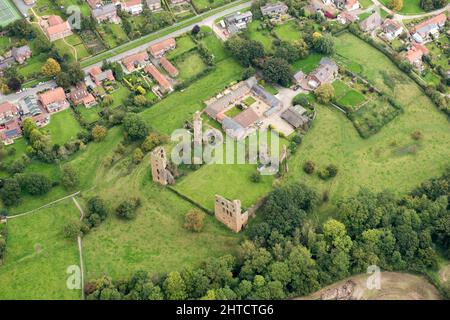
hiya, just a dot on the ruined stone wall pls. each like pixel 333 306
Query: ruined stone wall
pixel 230 213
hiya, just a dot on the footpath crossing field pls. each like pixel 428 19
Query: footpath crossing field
pixel 8 13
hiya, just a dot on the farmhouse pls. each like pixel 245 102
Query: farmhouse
pixel 159 49
pixel 371 23
pixel 106 13
pixel 429 28
pixel 21 54
pixel 163 83
pixel 80 96
pixel 237 22
pixel 54 100
pixel 326 72
pixel 273 9
pixel 392 29
pixel 135 61
pixel 154 5
pixel 415 54
pixel 230 213
pixel 169 67
pixel 56 28
pixel 133 7
pixel 98 76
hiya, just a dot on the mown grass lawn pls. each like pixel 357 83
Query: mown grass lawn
pixel 190 65
pixel 308 64
pixel 262 36
pixel 214 44
pixel 374 162
pixel 63 127
pixel 184 44
pixel 409 6
pixel 38 255
pixel 351 99
pixel 288 31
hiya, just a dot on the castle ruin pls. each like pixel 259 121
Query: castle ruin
pixel 230 213
pixel 160 169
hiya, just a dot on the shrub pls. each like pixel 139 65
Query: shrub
pixel 329 172
pixel 194 220
pixel 255 177
pixel 417 135
pixel 127 209
pixel 309 167
pixel 73 229
pixel 35 184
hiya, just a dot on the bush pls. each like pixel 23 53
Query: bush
pixel 35 184
pixel 194 220
pixel 329 172
pixel 69 178
pixel 417 135
pixel 73 229
pixel 255 177
pixel 96 212
pixel 309 167
pixel 127 209
pixel 11 193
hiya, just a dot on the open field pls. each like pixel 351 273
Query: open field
pixel 184 44
pixel 189 65
pixel 376 162
pixel 38 255
pixel 8 12
pixel 394 286
pixel 409 6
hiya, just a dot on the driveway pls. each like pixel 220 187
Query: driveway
pixel 23 8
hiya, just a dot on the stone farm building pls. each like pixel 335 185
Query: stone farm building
pixel 296 116
pixel 159 49
pixel 56 28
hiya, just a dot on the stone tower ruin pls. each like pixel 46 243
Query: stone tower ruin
pixel 160 170
pixel 230 213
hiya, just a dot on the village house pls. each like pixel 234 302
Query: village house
pixel 8 112
pixel 163 83
pixel 21 54
pixel 154 5
pixel 56 28
pixel 94 3
pixel 160 48
pixel 326 72
pixel 54 100
pixel 371 23
pixel 348 5
pixel 237 22
pixel 392 29
pixel 106 13
pixel 169 67
pixel 429 29
pixel 9 123
pixel 415 54
pixel 29 107
pixel 273 9
pixel 98 76
pixel 80 96
pixel 346 17
pixel 135 61
pixel 133 7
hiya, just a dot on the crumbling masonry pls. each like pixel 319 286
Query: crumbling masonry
pixel 230 213
pixel 160 169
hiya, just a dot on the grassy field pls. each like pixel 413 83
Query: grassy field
pixel 190 65
pixel 62 127
pixel 38 255
pixel 409 6
pixel 214 45
pixel 262 36
pixel 287 31
pixel 170 113
pixel 308 64
pixel 184 44
pixel 9 13
pixel 375 162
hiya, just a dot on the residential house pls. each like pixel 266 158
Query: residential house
pixel 169 67
pixel 273 9
pixel 80 96
pixel 237 22
pixel 54 100
pixel 159 49
pixel 135 61
pixel 98 76
pixel 29 107
pixel 371 23
pixel 429 28
pixel 21 54
pixel 348 5
pixel 133 7
pixel 163 83
pixel 56 28
pixel 415 54
pixel 95 3
pixel 296 116
pixel 10 131
pixel 8 112
pixel 154 5
pixel 106 13
pixel 392 29
pixel 326 72
pixel 41 119
pixel 346 17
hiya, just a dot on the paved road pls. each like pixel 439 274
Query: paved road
pixel 209 21
pixel 14 97
pixel 23 8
